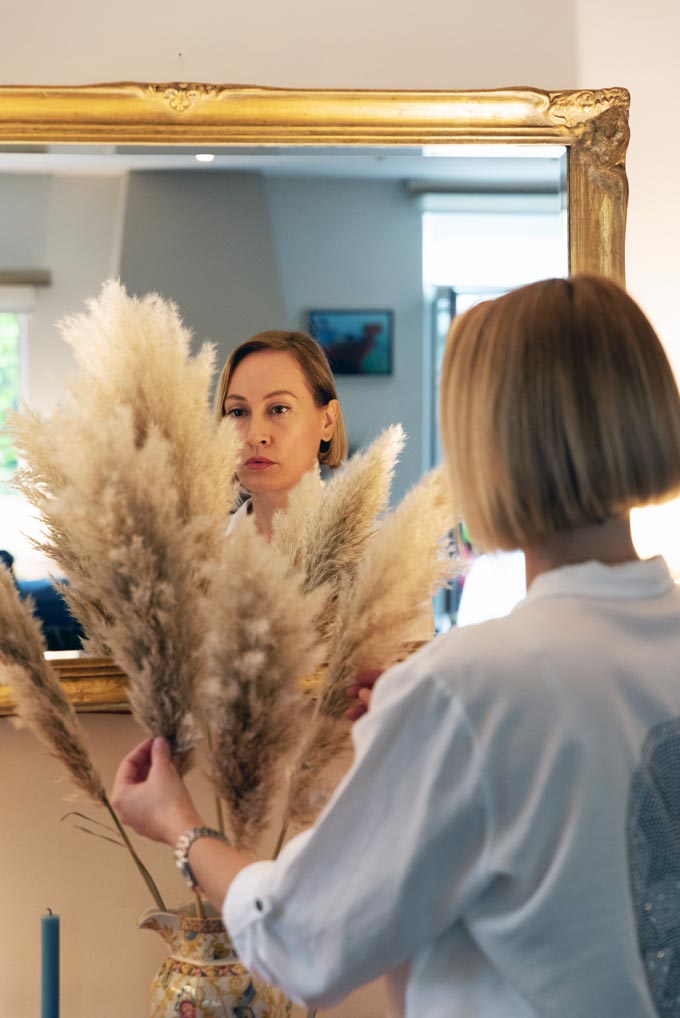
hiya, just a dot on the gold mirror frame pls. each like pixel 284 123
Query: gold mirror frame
pixel 592 124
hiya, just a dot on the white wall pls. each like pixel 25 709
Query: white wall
pixel 636 45
pixel 205 241
pixel 69 225
pixel 304 43
pixel 307 44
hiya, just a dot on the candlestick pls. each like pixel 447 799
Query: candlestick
pixel 50 965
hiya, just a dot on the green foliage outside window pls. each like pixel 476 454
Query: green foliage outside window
pixel 9 388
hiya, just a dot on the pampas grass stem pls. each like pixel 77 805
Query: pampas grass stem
pixel 43 706
pixel 280 840
pixel 146 876
pixel 200 911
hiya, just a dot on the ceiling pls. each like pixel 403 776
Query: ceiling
pixel 478 167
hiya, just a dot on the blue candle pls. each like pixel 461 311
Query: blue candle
pixel 50 966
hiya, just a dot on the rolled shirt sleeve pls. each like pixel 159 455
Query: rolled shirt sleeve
pixel 391 862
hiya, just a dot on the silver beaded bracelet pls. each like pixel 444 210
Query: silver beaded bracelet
pixel 184 843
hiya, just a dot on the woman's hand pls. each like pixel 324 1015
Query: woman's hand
pixel 360 693
pixel 149 795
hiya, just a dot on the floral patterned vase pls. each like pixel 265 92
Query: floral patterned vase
pixel 202 977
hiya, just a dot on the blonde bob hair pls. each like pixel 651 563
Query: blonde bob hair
pixel 317 372
pixel 558 409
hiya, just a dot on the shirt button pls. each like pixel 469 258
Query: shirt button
pixel 259 905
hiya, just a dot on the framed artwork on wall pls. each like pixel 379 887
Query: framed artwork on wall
pixel 356 342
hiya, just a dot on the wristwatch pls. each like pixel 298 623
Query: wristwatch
pixel 184 843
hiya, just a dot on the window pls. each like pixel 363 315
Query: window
pixel 10 379
pixel 472 254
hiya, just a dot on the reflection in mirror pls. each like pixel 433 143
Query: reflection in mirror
pixel 262 235
pixel 245 240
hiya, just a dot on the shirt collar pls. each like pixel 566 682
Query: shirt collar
pixel 625 582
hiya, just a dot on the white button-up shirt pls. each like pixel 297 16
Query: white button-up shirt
pixel 489 840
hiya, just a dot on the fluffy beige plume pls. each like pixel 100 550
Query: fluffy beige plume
pixel 41 481
pixel 325 739
pixel 290 528
pixel 325 528
pixel 263 639
pixel 41 702
pixel 147 567
pixel 133 480
pixel 136 352
pixel 405 563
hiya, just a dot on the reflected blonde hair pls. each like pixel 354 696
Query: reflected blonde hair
pixel 558 409
pixel 317 372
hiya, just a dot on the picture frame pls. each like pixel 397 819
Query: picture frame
pixel 356 341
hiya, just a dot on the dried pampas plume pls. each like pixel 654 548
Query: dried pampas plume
pixel 147 570
pixel 41 481
pixel 41 702
pixel 263 640
pixel 136 352
pixel 325 529
pixel 372 614
pixel 133 479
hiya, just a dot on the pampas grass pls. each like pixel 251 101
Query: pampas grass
pixel 133 353
pixel 41 702
pixel 404 564
pixel 133 480
pixel 41 480
pixel 136 352
pixel 262 639
pixel 44 708
pixel 325 529
pixel 147 569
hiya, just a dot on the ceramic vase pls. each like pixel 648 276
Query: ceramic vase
pixel 202 976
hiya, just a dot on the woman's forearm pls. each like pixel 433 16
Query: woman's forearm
pixel 215 864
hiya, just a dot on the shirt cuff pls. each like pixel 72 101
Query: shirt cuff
pixel 247 899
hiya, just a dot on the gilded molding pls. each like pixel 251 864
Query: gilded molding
pixel 92 684
pixel 591 123
pixel 599 118
pixel 183 96
pixel 194 112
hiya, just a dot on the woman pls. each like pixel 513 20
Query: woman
pixel 505 842
pixel 279 388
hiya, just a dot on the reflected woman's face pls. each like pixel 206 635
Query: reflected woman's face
pixel 280 424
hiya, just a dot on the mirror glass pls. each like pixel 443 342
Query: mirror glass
pixel 245 239
pixel 388 212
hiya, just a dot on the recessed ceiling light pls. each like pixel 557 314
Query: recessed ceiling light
pixel 204 157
